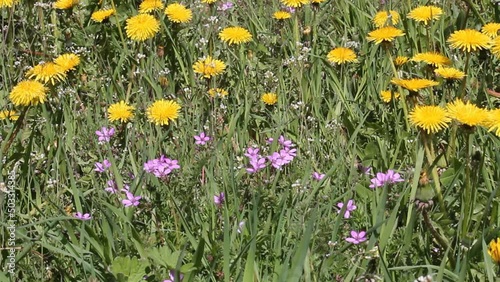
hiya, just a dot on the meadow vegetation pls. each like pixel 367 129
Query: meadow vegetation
pixel 263 140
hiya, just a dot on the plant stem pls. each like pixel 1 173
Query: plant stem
pixel 464 81
pixel 453 133
pixel 469 193
pixel 16 130
pixel 117 22
pixel 402 95
pixel 441 241
pixel 431 157
pixel 430 45
pixel 475 11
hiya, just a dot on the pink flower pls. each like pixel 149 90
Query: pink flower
pixel 219 199
pixel 348 209
pixel 256 165
pixel 113 188
pixel 281 158
pixel 161 167
pixel 225 6
pixel 289 151
pixel 105 134
pixel 101 167
pixel 284 142
pixel 276 160
pixel 252 153
pixel 241 225
pixel 382 179
pixel 318 176
pixel 365 169
pixel 356 237
pixel 172 277
pixel 85 216
pixel 201 139
pixel 131 200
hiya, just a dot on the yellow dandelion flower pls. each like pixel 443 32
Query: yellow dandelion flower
pixel 384 34
pixel 493 121
pixel 401 60
pixel 101 15
pixel 208 1
pixel 317 1
pixel 65 4
pixel 429 118
pixel 494 250
pixel 425 13
pixel 387 96
pixel 449 73
pixel 466 113
pixel 28 92
pixel 235 35
pixel 495 47
pixel 209 67
pixel 469 39
pixel 8 3
pixel 6 114
pixel 120 111
pixel 47 72
pixel 163 111
pixel 217 92
pixel 491 29
pixel 178 13
pixel 142 27
pixel 281 15
pixel 148 6
pixel 269 98
pixel 341 55
pixel 384 18
pixel 414 84
pixel 67 61
pixel 431 58
pixel 294 3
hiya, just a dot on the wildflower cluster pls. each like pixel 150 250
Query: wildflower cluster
pixel 382 179
pixel 54 71
pixel 413 91
pixel 285 154
pixel 161 167
pixel 104 135
pixel 34 92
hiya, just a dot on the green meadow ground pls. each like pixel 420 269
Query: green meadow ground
pixel 274 225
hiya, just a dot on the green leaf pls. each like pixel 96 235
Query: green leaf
pixel 448 176
pixel 301 252
pixel 131 268
pixel 164 256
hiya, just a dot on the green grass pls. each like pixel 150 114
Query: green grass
pixel 293 230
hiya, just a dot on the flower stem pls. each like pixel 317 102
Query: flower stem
pixel 402 95
pixel 431 157
pixel 441 241
pixel 117 23
pixel 428 33
pixel 18 126
pixel 381 205
pixel 469 194
pixel 475 11
pixel 453 133
pixel 464 81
